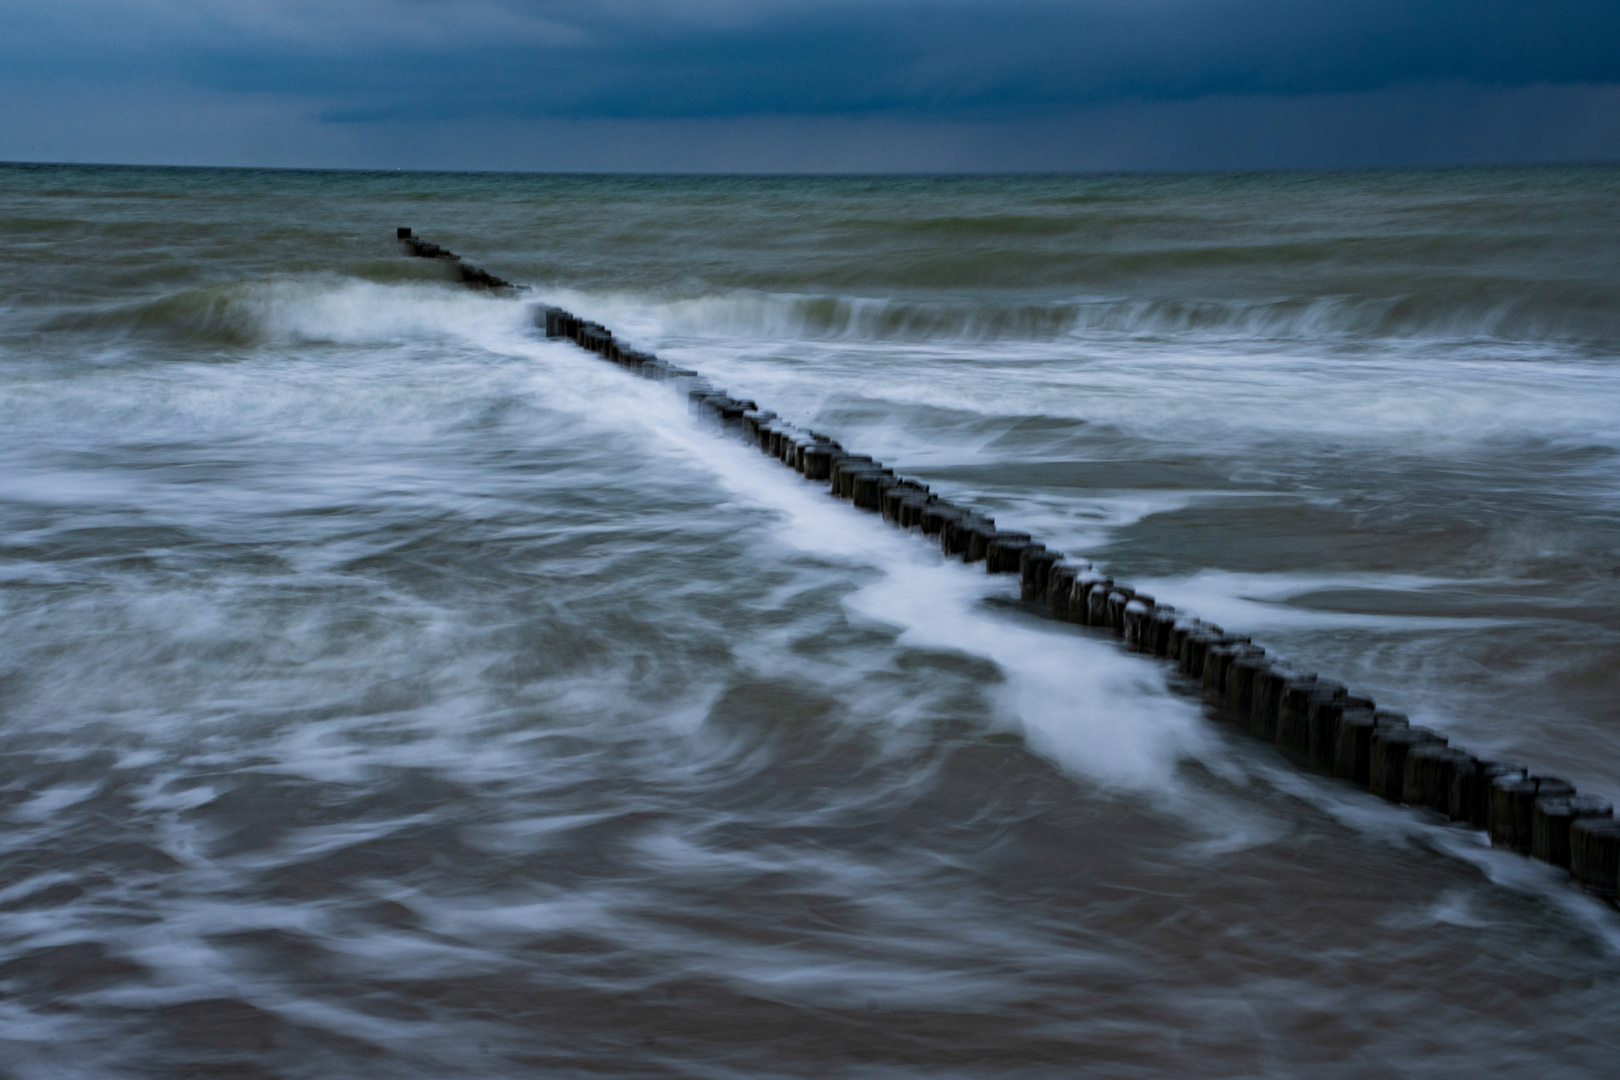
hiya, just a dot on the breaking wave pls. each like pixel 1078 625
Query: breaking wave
pixel 1528 315
pixel 320 308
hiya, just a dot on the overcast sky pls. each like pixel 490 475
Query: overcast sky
pixel 810 85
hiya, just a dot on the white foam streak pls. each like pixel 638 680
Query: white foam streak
pixel 1097 712
pixel 1100 713
pixel 1389 823
pixel 1262 601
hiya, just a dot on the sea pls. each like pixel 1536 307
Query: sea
pixel 388 691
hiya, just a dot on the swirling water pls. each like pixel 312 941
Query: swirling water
pixel 385 690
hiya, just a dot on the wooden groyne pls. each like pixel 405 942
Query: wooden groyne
pixel 1320 724
pixel 464 272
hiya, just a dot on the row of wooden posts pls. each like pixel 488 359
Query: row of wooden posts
pixel 1317 722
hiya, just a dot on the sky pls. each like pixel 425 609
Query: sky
pixel 810 85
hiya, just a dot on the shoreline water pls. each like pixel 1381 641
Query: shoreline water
pixel 374 692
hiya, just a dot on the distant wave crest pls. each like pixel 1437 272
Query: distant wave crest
pixel 306 309
pixel 1528 316
pixel 353 310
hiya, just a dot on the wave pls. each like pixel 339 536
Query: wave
pixel 318 308
pixel 350 310
pixel 1524 316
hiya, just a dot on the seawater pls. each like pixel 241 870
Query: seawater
pixel 387 691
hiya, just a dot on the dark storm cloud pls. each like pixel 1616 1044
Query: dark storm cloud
pixel 402 60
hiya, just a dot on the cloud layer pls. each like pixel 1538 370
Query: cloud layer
pixel 399 65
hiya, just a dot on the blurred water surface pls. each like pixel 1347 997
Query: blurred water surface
pixel 385 690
